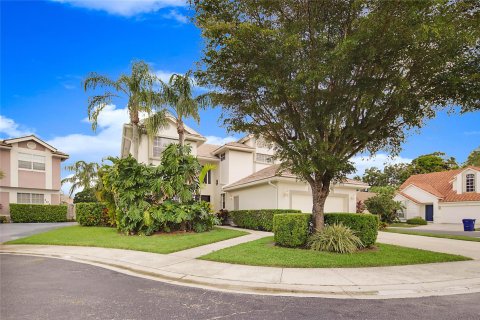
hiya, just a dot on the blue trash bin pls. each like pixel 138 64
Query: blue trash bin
pixel 468 224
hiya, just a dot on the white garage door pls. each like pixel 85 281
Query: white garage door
pixel 333 204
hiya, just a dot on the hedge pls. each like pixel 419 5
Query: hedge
pixel 417 221
pixel 92 214
pixel 365 226
pixel 38 213
pixel 257 219
pixel 291 230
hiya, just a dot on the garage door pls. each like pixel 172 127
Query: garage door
pixel 333 204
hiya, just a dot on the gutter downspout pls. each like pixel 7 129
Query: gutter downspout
pixel 276 192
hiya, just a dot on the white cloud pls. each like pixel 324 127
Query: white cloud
pixel 175 15
pixel 125 8
pixel 11 129
pixel 378 160
pixel 102 143
pixel 220 140
pixel 164 75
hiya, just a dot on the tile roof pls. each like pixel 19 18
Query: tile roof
pixel 206 150
pixel 274 170
pixel 440 185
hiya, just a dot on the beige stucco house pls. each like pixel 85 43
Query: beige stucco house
pixel 31 169
pixel 442 197
pixel 246 176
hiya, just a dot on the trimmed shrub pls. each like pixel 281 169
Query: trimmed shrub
pixel 417 221
pixel 91 214
pixel 258 219
pixel 86 195
pixel 222 216
pixel 3 219
pixel 38 213
pixel 291 229
pixel 335 238
pixel 365 226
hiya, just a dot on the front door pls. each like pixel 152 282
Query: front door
pixel 429 212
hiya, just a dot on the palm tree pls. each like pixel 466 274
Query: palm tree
pixel 177 97
pixel 138 88
pixel 84 175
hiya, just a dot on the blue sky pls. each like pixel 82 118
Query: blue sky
pixel 47 48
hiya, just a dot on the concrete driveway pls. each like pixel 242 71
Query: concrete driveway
pixel 12 231
pixel 446 228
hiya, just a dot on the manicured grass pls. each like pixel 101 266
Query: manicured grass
pixel 402 225
pixel 110 238
pixel 434 235
pixel 263 252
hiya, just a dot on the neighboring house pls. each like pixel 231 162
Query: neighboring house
pixel 442 197
pixel 31 170
pixel 246 174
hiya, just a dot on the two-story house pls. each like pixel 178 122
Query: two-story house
pixel 442 197
pixel 31 172
pixel 246 175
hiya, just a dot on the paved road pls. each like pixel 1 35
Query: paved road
pixel 43 288
pixel 12 231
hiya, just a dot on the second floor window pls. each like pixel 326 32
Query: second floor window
pixel 159 144
pixel 264 158
pixel 31 161
pixel 470 182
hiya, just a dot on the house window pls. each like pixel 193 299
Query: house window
pixel 205 198
pixel 30 198
pixel 470 182
pixel 264 158
pixel 31 162
pixel 160 144
pixel 222 200
pixel 208 177
pixel 222 156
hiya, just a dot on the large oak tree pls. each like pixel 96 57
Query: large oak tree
pixel 328 79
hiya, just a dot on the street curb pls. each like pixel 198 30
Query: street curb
pixel 394 291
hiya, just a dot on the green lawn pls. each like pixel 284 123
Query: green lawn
pixel 402 225
pixel 262 252
pixel 110 238
pixel 434 235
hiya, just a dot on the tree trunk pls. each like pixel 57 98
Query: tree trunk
pixel 135 140
pixel 320 191
pixel 181 132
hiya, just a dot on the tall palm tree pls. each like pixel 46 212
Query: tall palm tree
pixel 177 97
pixel 138 88
pixel 84 175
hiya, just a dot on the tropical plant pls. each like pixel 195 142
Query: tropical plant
pixel 473 158
pixel 335 238
pixel 327 80
pixel 177 97
pixel 138 88
pixel 384 206
pixel 433 162
pixel 84 175
pixel 2 174
pixel 86 195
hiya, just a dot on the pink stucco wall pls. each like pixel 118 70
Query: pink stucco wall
pixel 5 166
pixel 55 199
pixel 5 202
pixel 56 166
pixel 38 146
pixel 31 179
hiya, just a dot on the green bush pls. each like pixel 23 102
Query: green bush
pixel 261 219
pixel 3 219
pixel 86 195
pixel 37 213
pixel 291 230
pixel 91 214
pixel 365 226
pixel 417 221
pixel 335 238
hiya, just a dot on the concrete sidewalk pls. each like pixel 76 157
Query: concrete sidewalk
pixel 355 283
